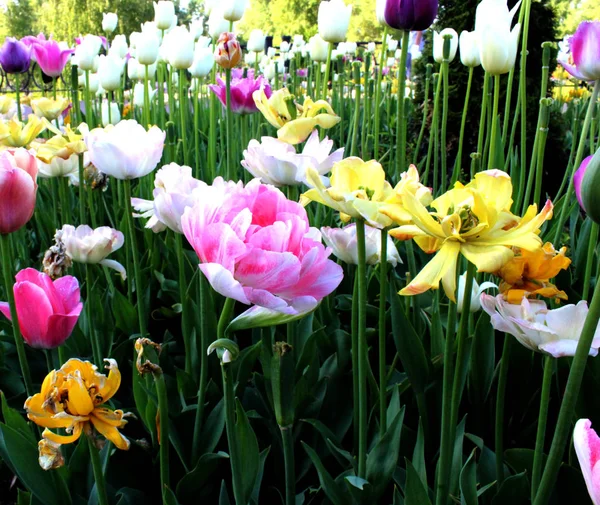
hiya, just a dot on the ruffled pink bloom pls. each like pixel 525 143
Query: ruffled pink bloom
pixel 47 310
pixel 257 247
pixel 18 188
pixel 578 179
pixel 582 60
pixel 48 54
pixel 241 92
pixel 587 447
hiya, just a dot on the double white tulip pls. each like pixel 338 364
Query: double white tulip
pixel 333 20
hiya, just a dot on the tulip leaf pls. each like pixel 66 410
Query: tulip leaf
pixel 336 493
pixel 482 359
pixel 16 421
pixel 23 497
pixel 248 450
pixel 213 428
pixel 191 484
pixel 124 312
pixel 414 492
pixel 259 477
pixel 468 481
pixel 514 490
pixel 418 459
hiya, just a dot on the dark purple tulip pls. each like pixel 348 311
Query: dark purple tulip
pixel 412 15
pixel 15 57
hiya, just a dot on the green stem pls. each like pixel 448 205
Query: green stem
pixel 445 107
pixel 146 112
pixel 592 244
pixel 494 133
pixel 378 92
pixel 425 113
pixel 197 112
pixel 182 116
pixel 327 65
pixel 541 147
pixel 287 436
pixel 64 199
pixel 81 190
pixel 236 462
pixel 160 93
pixel 538 455
pixel 18 96
pixel 433 131
pixel 354 345
pixel 229 138
pixel 361 272
pixel 92 334
pixel 565 416
pixel 185 323
pixel 89 115
pixel 7 272
pixel 484 97
pixel 136 260
pixel 401 125
pixel 382 334
pixel 357 108
pixel 526 6
pixel 458 164
pixel 500 397
pixel 97 469
pixel 163 412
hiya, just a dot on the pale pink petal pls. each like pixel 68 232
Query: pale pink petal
pixel 587 447
pixel 222 282
pixel 5 309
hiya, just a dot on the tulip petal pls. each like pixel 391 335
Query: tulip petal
pixel 110 432
pixel 587 447
pixel 68 290
pixel 115 265
pixel 257 317
pixel 64 439
pixel 487 258
pixel 60 327
pixel 33 312
pixel 79 401
pixel 223 282
pixel 5 309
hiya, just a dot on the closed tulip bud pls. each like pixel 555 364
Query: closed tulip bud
pixel 203 42
pixel 284 47
pixel 138 94
pixel 110 70
pixel 217 24
pixel 94 83
pixel 132 69
pixel 587 448
pixel 147 46
pixel 203 62
pixel 15 56
pixel 115 113
pixel 475 293
pixel 371 47
pixel 109 22
pixel 410 15
pixel 18 188
pixel 271 52
pixel 196 28
pixel 469 49
pixel 228 52
pixel 256 42
pixel 333 20
pixel 119 46
pixel 317 48
pixel 392 45
pixel 164 13
pixel 589 192
pixel 85 54
pixel 233 10
pixel 438 44
pixel 180 48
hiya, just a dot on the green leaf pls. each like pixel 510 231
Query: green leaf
pixel 22 455
pixel 223 496
pixel 23 497
pixel 124 312
pixel 357 482
pixel 331 488
pixel 414 493
pixel 16 421
pixel 248 449
pixel 418 459
pixel 213 428
pixel 382 460
pixel 242 367
pixel 408 344
pixel 457 455
pixel 169 497
pixel 468 481
pixel 483 359
pixel 191 484
pixel 514 490
pixel 259 477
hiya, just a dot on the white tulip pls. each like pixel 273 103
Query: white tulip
pixel 94 83
pixel 299 40
pixel 333 20
pixel 133 69
pixel 371 47
pixel 119 46
pixel 164 13
pixel 475 293
pixel 392 45
pixel 85 53
pixel 438 44
pixel 233 10
pixel 138 94
pixel 284 47
pixel 110 70
pixel 252 58
pixel 115 114
pixel 271 52
pixel 217 24
pixel 256 41
pixel 203 42
pixel 204 60
pixel 133 38
pixel 94 41
pixel 317 48
pixel 109 22
pixel 391 61
pixel 180 48
pixel 351 48
pixel 469 49
pixel 147 47
pixel 196 28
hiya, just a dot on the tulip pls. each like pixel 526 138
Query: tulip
pixel 257 247
pixel 133 69
pixel 50 57
pixel 180 48
pixel 590 185
pixel 47 310
pixel 138 94
pixel 15 56
pixel 110 70
pixel 48 108
pixel 202 43
pixel 109 22
pixel 284 47
pixel 228 52
pixel 217 24
pixel 147 46
pixel 554 332
pixel 587 448
pixel 256 42
pixel 115 113
pixel 578 179
pixel 438 44
pixel 119 46
pixel 252 58
pixel 475 293
pixel 127 150
pixel 18 188
pixel 14 133
pixel 85 55
pixel 469 49
pixel 86 245
pixel 276 162
pixel 317 49
pixel 298 40
pixel 164 14
pixel 409 15
pixel 344 245
pixel 203 63
pixel 60 167
pixel 233 10
pixel 333 20
pixel 583 60
pixel 241 93
pixel 196 28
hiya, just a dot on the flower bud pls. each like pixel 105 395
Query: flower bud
pixel 18 189
pixel 333 20
pixel 180 48
pixel 469 49
pixel 164 14
pixel 110 69
pixel 146 49
pixel 109 22
pixel 590 187
pixel 228 53
pixel 256 42
pixel 317 48
pixel 217 24
pixel 233 10
pixel 203 62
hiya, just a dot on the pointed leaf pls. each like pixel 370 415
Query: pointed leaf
pixel 468 481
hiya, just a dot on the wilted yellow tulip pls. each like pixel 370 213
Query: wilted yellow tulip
pixel 14 133
pixel 294 122
pixel 48 108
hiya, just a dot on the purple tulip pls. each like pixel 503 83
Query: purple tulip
pixel 48 54
pixel 582 60
pixel 578 179
pixel 241 92
pixel 302 72
pixel 413 15
pixel 15 56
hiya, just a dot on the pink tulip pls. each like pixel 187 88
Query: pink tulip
pixel 587 447
pixel 582 60
pixel 241 92
pixel 257 247
pixel 18 188
pixel 48 54
pixel 578 179
pixel 47 310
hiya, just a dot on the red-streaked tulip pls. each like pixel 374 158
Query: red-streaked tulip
pixel 18 188
pixel 47 310
pixel 228 52
pixel 583 59
pixel 587 447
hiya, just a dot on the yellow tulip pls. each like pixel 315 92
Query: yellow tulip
pixel 62 145
pixel 472 220
pixel 529 273
pixel 14 133
pixel 294 122
pixel 72 398
pixel 48 108
pixel 6 103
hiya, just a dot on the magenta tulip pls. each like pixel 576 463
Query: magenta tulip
pixel 578 179
pixel 582 60
pixel 257 247
pixel 47 310
pixel 48 54
pixel 18 188
pixel 587 447
pixel 241 92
